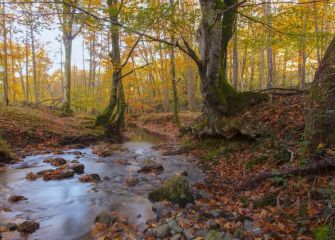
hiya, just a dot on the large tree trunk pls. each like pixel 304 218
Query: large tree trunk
pixel 320 104
pixel 112 119
pixel 214 35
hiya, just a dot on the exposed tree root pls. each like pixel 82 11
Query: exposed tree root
pixel 317 167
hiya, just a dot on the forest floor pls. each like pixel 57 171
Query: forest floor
pixel 28 131
pixel 266 138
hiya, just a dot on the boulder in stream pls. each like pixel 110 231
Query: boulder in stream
pixel 28 227
pixel 58 174
pixel 151 166
pixel 176 190
pixel 90 178
pixel 55 161
pixel 16 198
pixel 132 181
pixel 77 167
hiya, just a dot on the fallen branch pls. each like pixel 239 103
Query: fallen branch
pixel 318 167
pixel 283 91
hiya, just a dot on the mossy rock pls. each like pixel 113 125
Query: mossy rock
pixel 176 190
pixel 6 154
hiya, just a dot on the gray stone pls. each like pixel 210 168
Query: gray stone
pixel 161 231
pixel 188 234
pixel 151 166
pixel 250 227
pixel 201 233
pixel 173 225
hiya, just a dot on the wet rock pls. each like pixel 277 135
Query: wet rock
pixel 132 181
pixel 58 174
pixel 16 198
pixel 107 178
pixel 77 167
pixel 175 190
pixel 8 227
pixel 183 173
pixel 174 227
pixel 102 150
pixel 250 227
pixel 42 172
pixel 122 162
pixel 105 218
pixel 74 161
pixel 55 161
pixel 31 176
pixel 28 227
pixel 215 235
pixel 90 178
pixel 151 166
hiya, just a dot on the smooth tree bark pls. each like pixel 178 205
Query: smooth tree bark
pixel 269 50
pixel 320 105
pixel 66 15
pixel 261 68
pixel 235 60
pixel 33 56
pixel 174 88
pixel 165 92
pixel 5 56
pixel 190 85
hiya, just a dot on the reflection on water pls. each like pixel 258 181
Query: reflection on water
pixel 66 209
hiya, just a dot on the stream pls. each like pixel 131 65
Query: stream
pixel 66 208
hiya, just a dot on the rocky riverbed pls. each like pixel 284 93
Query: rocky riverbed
pixel 64 192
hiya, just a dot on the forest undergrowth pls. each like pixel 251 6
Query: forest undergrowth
pixel 267 137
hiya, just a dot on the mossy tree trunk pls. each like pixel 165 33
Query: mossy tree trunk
pixel 112 119
pixel 215 31
pixel 320 104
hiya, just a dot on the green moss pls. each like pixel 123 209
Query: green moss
pixel 175 190
pixel 324 232
pixel 254 162
pixel 239 101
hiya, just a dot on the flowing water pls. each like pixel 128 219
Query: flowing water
pixel 66 208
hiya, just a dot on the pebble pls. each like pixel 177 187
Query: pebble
pixel 250 227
